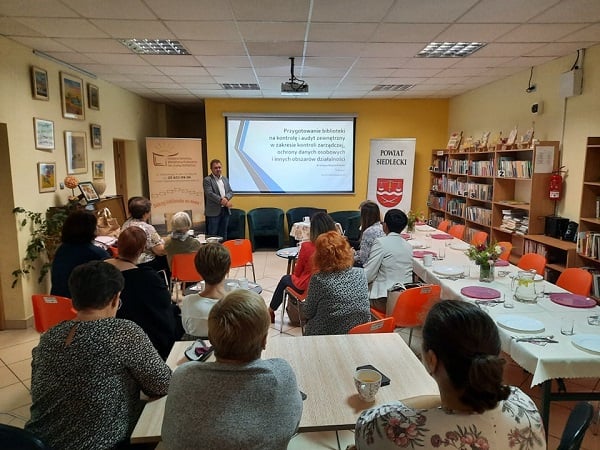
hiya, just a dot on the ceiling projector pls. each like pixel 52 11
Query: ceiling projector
pixel 294 88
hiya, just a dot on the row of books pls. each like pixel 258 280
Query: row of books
pixel 515 221
pixel 439 165
pixel 480 191
pixel 588 244
pixel 457 206
pixel 482 216
pixel 459 166
pixel 535 247
pixel 457 186
pixel 514 169
pixel 481 168
pixel 436 201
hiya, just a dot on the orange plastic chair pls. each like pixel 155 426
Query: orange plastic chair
pixel 506 249
pixel 48 310
pixel 412 307
pixel 479 238
pixel 533 261
pixel 241 254
pixel 300 298
pixel 444 225
pixel 457 231
pixel 575 280
pixel 184 270
pixel 386 325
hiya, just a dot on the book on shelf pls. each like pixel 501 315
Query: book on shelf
pixel 454 141
pixel 597 207
pixel 512 136
pixel 527 137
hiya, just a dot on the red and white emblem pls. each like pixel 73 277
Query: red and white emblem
pixel 389 191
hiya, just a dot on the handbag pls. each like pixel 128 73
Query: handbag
pixel 107 224
pixel 394 292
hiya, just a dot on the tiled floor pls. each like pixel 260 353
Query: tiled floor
pixel 15 371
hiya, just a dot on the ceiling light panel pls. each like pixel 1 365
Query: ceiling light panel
pixel 155 46
pixel 450 49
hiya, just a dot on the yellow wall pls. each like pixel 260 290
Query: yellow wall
pixel 425 120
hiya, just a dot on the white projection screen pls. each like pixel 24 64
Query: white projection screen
pixel 290 154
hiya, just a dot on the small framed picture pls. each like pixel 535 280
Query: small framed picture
pixel 93 96
pixel 88 191
pixel 96 135
pixel 71 95
pixel 44 134
pixel 76 152
pixel 39 83
pixel 97 169
pixel 46 176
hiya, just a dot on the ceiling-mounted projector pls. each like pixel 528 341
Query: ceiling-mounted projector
pixel 295 86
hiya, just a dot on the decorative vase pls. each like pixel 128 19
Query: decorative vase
pixel 100 186
pixel 486 272
pixel 410 226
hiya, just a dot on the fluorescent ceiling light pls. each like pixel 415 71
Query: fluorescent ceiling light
pixel 450 49
pixel 393 87
pixel 240 86
pixel 155 46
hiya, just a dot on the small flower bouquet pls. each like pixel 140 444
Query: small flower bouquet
pixel 414 218
pixel 484 256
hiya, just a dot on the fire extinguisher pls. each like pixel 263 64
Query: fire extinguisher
pixel 556 181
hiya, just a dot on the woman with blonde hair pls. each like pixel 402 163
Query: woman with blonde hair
pixel 338 294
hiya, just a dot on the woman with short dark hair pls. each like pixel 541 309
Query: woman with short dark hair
pixel 371 229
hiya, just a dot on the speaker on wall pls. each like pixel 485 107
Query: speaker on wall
pixel 571 232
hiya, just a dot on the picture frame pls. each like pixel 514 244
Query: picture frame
pixel 71 96
pixel 97 170
pixel 43 133
pixel 88 191
pixel 93 96
pixel 46 172
pixel 96 135
pixel 39 83
pixel 76 152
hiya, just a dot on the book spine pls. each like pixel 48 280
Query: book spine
pixel 597 207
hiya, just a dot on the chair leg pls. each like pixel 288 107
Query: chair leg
pixel 283 304
pixel 410 337
pixel 300 316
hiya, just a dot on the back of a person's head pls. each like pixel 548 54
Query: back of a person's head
pixel 131 242
pixel 320 223
pixel 79 228
pixel 181 221
pixel 94 284
pixel 395 220
pixel 138 206
pixel 332 253
pixel 212 262
pixel 465 339
pixel 238 325
pixel 369 214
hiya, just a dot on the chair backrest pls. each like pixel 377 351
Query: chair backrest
pixel 575 280
pixel 386 325
pixel 506 249
pixel 13 438
pixel 480 237
pixel 266 222
pixel 236 228
pixel 414 303
pixel 444 225
pixel 183 268
pixel 294 215
pixel 350 222
pixel 532 261
pixel 578 422
pixel 48 310
pixel 457 231
pixel 240 251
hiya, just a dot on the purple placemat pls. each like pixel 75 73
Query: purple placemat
pixel 481 292
pixel 441 236
pixel 501 263
pixel 421 253
pixel 572 300
pixel 405 235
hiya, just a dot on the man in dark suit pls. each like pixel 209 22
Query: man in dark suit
pixel 217 201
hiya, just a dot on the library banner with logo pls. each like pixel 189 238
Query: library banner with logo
pixel 391 169
pixel 175 179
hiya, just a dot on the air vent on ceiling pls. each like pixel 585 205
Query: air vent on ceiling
pixel 393 87
pixel 155 46
pixel 240 86
pixel 450 49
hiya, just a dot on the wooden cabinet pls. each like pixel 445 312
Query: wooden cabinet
pixel 559 254
pixel 116 206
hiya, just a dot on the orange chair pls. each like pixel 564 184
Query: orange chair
pixel 444 225
pixel 533 261
pixel 575 280
pixel 48 310
pixel 386 325
pixel 457 231
pixel 479 238
pixel 241 254
pixel 506 249
pixel 412 307
pixel 300 298
pixel 184 270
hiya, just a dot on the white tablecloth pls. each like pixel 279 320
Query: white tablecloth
pixel 301 230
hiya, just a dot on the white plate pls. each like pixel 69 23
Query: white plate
pixel 459 246
pixel 520 323
pixel 416 244
pixel 537 277
pixel 423 228
pixel 588 342
pixel 448 270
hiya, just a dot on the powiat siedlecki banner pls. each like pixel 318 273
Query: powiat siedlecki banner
pixel 391 169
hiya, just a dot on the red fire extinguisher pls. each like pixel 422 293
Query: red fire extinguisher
pixel 556 181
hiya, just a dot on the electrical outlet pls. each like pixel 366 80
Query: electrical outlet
pixel 61 185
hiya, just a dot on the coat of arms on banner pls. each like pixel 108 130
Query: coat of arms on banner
pixel 389 191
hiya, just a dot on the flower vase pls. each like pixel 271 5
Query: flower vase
pixel 410 226
pixel 486 272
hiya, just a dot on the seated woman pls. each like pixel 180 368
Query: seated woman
pixel 212 262
pixel 370 224
pixel 240 401
pixel 78 232
pixel 320 223
pixel 461 348
pixel 180 241
pixel 338 294
pixel 146 297
pixel 87 373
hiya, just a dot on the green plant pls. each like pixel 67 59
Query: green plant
pixel 483 254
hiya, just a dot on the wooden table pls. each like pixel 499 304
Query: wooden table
pixel 324 367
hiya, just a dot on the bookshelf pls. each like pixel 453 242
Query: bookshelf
pixel 559 254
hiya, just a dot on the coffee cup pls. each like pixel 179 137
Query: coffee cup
pixel 367 382
pixel 306 219
pixel 231 286
pixel 428 260
pixel 243 282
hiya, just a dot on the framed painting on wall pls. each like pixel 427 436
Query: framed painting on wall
pixel 39 83
pixel 93 96
pixel 96 135
pixel 71 96
pixel 76 152
pixel 46 176
pixel 44 134
pixel 97 169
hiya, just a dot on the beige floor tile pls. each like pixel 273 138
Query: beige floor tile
pixel 7 377
pixel 21 369
pixel 17 352
pixel 14 396
pixel 321 440
pixel 9 338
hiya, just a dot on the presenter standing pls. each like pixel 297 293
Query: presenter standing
pixel 217 201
